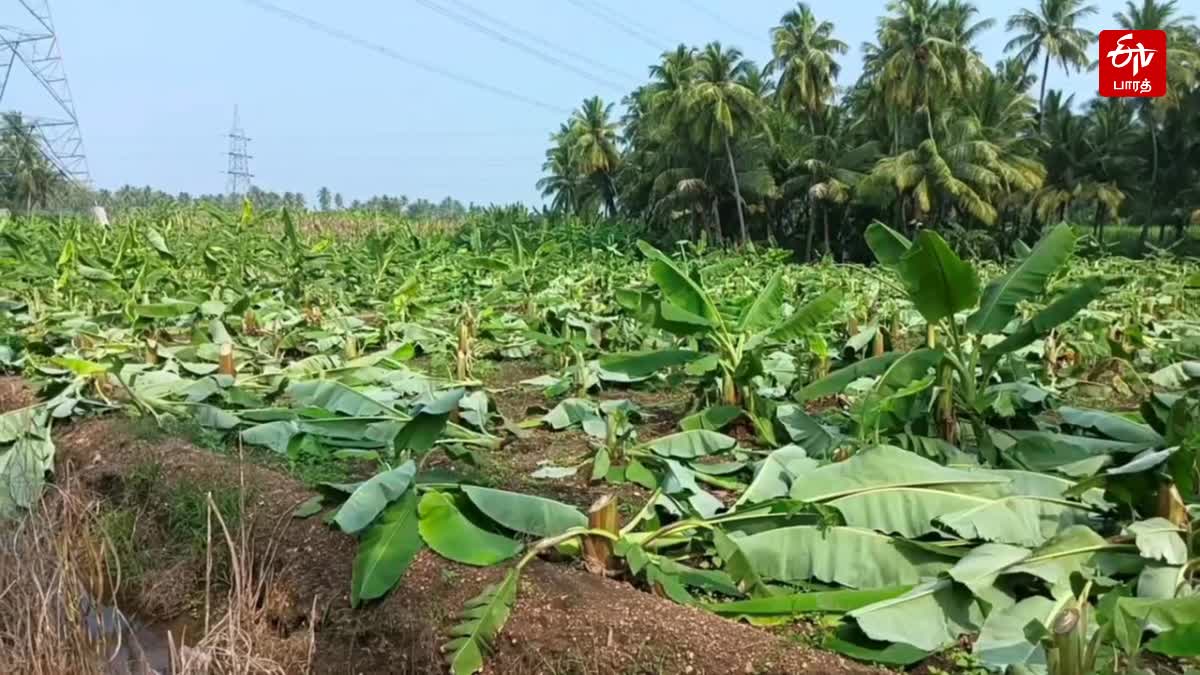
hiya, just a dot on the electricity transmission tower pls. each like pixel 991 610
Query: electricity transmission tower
pixel 239 160
pixel 30 45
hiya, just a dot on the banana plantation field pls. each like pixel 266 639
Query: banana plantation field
pixel 550 447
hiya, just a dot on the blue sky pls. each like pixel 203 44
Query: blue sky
pixel 155 83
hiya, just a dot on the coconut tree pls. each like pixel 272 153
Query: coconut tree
pixel 923 50
pixel 1051 33
pixel 826 169
pixel 1164 16
pixel 562 180
pixel 31 179
pixel 959 169
pixel 804 53
pixel 594 147
pixel 723 108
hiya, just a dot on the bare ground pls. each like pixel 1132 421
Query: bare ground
pixel 565 620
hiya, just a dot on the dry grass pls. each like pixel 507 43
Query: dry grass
pixel 56 561
pixel 51 564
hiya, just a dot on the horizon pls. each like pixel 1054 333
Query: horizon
pixel 155 90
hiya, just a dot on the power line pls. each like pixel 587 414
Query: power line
pixel 530 35
pixel 615 20
pixel 344 36
pixel 517 44
pixel 704 9
pixel 629 20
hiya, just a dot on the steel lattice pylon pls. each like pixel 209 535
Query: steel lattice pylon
pixel 239 160
pixel 30 43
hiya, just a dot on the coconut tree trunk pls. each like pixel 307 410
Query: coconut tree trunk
pixel 1042 95
pixel 610 196
pixel 737 192
pixel 812 230
pixel 718 237
pixel 825 219
pixel 1145 234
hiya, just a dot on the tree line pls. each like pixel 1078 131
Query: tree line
pixel 29 181
pixel 929 135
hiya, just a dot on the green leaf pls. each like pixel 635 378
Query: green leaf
pixel 835 602
pixel 16 423
pixel 79 367
pixel 386 550
pixel 1025 281
pixel 1160 539
pixel 372 496
pixel 311 507
pixel 1111 425
pixel 1004 640
pixel 1018 519
pixel 1177 375
pixel 214 417
pixel 777 473
pixel 155 239
pixel 982 565
pixel 642 364
pixel 838 380
pixel 713 418
pixel 527 514
pixel 912 512
pixel 931 616
pixel 569 412
pixel 168 309
pixel 847 556
pixel 1183 642
pixel 805 430
pixel 1055 314
pixel 884 466
pixel 679 290
pixel 807 319
pixel 1064 555
pixel 275 435
pixel 765 310
pixel 690 444
pixel 446 530
pixel 888 245
pixel 939 283
pixel 474 409
pixel 426 427
pixel 23 469
pixel 850 641
pixel 1160 581
pixel 637 473
pixel 480 622
pixel 336 397
pixel 1157 616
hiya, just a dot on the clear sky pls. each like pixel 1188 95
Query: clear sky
pixel 155 83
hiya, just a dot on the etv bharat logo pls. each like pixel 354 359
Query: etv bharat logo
pixel 1133 63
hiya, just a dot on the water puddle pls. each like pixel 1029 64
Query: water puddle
pixel 131 646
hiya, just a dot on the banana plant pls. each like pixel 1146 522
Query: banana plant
pixel 967 376
pixel 725 344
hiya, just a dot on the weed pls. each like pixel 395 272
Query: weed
pixel 148 429
pixel 119 527
pixel 182 510
pixel 186 512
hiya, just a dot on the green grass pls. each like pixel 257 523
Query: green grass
pixel 181 510
pixel 309 463
pixel 149 429
pixel 120 527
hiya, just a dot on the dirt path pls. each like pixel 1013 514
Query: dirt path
pixel 565 620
